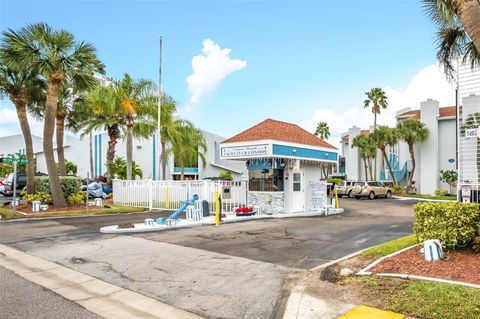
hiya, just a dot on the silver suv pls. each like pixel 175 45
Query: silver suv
pixel 346 189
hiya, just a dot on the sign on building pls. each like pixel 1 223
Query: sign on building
pixel 244 151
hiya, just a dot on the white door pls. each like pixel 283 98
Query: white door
pixel 298 191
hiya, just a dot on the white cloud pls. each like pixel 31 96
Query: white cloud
pixel 8 116
pixel 429 82
pixel 211 67
pixel 9 124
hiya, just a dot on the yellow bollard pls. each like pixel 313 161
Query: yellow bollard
pixel 217 210
pixel 167 203
pixel 336 198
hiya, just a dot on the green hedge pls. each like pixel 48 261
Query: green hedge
pixel 71 185
pixel 454 224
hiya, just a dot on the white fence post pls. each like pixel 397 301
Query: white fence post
pixel 150 195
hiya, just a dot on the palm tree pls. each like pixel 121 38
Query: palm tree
pixel 384 136
pixel 137 100
pixel 367 152
pixel 169 126
pixel 25 89
pixel 188 146
pixel 458 34
pixel 473 122
pixel 57 57
pixel 102 112
pixel 377 98
pixel 412 131
pixel 322 131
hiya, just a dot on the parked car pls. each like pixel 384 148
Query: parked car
pixel 346 189
pixel 21 183
pixel 371 190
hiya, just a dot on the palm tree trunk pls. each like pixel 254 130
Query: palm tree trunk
pixel 129 151
pixel 366 170
pixel 468 12
pixel 385 157
pixel 54 81
pixel 60 128
pixel 324 174
pixel 27 137
pixel 412 158
pixel 113 133
pixel 370 169
pixel 90 141
pixel 182 173
pixel 164 161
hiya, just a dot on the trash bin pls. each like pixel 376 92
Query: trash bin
pixel 205 208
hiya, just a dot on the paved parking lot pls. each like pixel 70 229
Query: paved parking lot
pixel 209 270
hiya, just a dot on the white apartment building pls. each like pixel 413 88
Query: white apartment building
pixel 437 153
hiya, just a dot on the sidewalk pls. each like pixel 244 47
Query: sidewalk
pixel 301 305
pixel 99 297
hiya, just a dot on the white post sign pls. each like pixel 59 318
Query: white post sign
pixel 318 195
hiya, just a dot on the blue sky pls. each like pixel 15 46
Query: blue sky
pixel 298 61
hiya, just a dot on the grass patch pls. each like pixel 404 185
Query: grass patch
pixel 420 299
pixel 432 300
pixel 114 209
pixel 447 197
pixel 389 247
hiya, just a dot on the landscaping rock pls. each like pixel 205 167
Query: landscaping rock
pixel 346 272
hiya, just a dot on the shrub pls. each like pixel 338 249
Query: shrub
pixel 44 198
pixel 335 181
pixel 397 189
pixel 454 224
pixel 76 199
pixel 71 185
pixel 441 192
pixel 226 175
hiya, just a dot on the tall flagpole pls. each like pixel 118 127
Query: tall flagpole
pixel 159 141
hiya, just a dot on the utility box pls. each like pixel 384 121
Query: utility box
pixel 226 192
pixel 205 208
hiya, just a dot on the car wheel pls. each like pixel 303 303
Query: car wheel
pixel 371 195
pixel 350 194
pixel 357 197
pixel 389 195
pixel 339 195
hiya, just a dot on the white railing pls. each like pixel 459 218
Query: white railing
pixel 170 195
pixel 468 192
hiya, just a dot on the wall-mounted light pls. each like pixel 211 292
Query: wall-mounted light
pixel 294 150
pixel 139 146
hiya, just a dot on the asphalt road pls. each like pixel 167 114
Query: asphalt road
pixel 207 270
pixel 20 299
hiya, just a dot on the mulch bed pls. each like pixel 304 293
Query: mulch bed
pixel 27 209
pixel 460 265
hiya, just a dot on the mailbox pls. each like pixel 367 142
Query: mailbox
pixel 226 192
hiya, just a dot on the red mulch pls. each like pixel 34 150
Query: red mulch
pixel 459 265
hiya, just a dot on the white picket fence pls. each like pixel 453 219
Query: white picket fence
pixel 170 194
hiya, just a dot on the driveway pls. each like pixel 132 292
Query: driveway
pixel 237 270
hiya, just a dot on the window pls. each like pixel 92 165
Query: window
pixel 297 182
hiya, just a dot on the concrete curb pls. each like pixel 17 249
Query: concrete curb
pixel 364 271
pixel 211 222
pixel 97 296
pixel 424 199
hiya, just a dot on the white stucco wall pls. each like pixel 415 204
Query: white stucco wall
pixel 429 149
pixel 77 151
